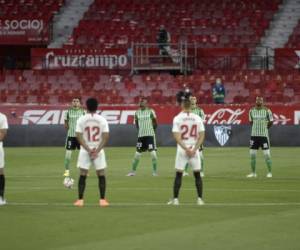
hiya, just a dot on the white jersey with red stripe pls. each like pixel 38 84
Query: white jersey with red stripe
pixel 189 125
pixel 92 126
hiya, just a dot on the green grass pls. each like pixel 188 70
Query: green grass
pixel 239 213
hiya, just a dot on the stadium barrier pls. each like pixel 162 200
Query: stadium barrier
pixel 126 135
pixel 227 125
pixel 287 59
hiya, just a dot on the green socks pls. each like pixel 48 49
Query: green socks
pixel 136 161
pixel 253 163
pixel 269 163
pixel 68 159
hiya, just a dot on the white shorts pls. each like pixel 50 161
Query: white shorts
pixel 1 157
pixel 85 162
pixel 182 159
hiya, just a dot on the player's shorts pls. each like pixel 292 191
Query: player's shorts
pixel 1 157
pixel 146 143
pixel 85 162
pixel 257 142
pixel 72 143
pixel 182 159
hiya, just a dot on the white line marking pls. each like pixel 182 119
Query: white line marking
pixel 148 204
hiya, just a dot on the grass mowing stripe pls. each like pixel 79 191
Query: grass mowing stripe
pixel 166 188
pixel 133 204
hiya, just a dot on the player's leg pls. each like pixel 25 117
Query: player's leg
pixel 180 162
pixel 68 155
pixel 2 177
pixel 201 161
pixel 253 153
pixel 267 155
pixel 100 165
pixel 137 156
pixel 265 144
pixel 83 164
pixel 185 172
pixel 152 148
pixel 195 163
pixel 254 145
pixel 154 162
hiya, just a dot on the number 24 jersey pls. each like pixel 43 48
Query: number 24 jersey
pixel 92 126
pixel 189 125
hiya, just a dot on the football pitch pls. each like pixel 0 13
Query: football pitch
pixel 239 213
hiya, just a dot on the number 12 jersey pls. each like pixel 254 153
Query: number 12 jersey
pixel 92 126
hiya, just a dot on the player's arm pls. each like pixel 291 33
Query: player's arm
pixel 104 140
pixel 270 119
pixel 3 133
pixel 177 137
pixel 136 121
pixel 250 118
pixel 154 123
pixel 154 120
pixel 66 124
pixel 82 142
pixel 201 137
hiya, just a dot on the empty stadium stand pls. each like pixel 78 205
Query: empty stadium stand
pixel 60 86
pixel 211 23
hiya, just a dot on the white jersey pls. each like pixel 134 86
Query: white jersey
pixel 92 126
pixel 3 123
pixel 189 125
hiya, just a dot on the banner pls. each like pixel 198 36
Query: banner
pixel 287 59
pixel 79 58
pixel 23 31
pixel 215 114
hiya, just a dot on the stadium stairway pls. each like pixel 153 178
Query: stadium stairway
pixel 282 26
pixel 67 19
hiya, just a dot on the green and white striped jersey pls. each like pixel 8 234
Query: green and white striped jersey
pixel 199 111
pixel 260 118
pixel 144 119
pixel 71 116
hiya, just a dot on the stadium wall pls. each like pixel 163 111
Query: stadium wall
pixel 125 135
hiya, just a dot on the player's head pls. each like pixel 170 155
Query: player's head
pixel 186 103
pixel 259 101
pixel 182 95
pixel 92 105
pixel 193 101
pixel 162 27
pixel 143 102
pixel 76 103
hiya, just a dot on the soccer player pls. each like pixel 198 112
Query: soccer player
pixel 189 132
pixel 146 123
pixel 3 131
pixel 71 117
pixel 261 120
pixel 92 132
pixel 198 111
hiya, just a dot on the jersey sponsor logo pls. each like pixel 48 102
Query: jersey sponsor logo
pixel 222 134
pixel 56 117
pixel 225 116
